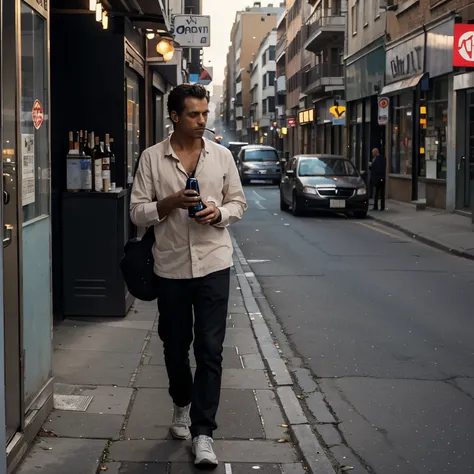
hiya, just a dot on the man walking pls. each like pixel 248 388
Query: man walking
pixel 193 257
pixel 378 168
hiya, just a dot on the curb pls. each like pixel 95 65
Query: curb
pixel 299 425
pixel 425 240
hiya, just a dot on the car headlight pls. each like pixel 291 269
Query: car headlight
pixel 361 191
pixel 309 190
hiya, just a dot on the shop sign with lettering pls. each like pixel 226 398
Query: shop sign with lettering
pixel 405 60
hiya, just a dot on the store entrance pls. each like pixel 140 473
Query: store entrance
pixel 465 166
pixel 11 222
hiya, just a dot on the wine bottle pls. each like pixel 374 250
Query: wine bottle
pixel 105 169
pixel 97 156
pixel 111 157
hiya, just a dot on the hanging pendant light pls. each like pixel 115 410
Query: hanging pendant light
pixel 164 46
pixel 92 5
pixel 105 20
pixel 168 56
pixel 98 12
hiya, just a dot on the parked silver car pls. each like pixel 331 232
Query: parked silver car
pixel 258 162
pixel 323 183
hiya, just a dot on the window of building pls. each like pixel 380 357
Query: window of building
pixel 402 134
pixel 271 53
pixel 271 78
pixel 264 106
pixel 271 104
pixel 264 81
pixel 376 7
pixel 436 129
pixel 364 13
pixel 264 58
pixel 355 16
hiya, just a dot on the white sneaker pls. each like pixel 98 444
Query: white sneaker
pixel 181 421
pixel 202 450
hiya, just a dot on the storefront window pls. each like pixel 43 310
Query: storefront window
pixel 133 125
pixel 402 131
pixel 436 128
pixel 34 145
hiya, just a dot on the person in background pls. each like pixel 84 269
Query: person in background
pixel 192 257
pixel 378 168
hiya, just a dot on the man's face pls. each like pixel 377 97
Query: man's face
pixel 375 152
pixel 193 120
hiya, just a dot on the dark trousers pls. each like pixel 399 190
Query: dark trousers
pixel 379 186
pixel 209 297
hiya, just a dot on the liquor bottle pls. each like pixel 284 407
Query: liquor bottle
pixel 73 165
pixel 105 170
pixel 87 147
pixel 113 168
pixel 97 156
pixel 111 158
pixel 86 162
pixel 192 184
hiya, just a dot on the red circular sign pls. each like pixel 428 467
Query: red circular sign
pixel 383 103
pixel 38 116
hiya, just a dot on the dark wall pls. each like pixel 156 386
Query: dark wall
pixel 87 92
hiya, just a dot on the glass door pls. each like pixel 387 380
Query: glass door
pixel 133 125
pixel 11 224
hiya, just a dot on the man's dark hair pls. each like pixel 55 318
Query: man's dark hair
pixel 180 93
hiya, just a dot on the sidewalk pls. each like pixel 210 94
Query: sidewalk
pixel 112 409
pixel 449 232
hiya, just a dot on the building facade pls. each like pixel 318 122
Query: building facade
pixel 262 123
pixel 364 75
pixel 248 31
pixel 428 139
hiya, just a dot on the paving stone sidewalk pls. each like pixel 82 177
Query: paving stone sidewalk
pixel 112 409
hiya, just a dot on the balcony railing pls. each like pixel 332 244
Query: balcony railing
pixel 281 47
pixel 323 75
pixel 323 20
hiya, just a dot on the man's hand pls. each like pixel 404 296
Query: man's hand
pixel 209 215
pixel 180 200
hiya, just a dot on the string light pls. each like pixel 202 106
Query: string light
pixel 105 20
pixel 92 5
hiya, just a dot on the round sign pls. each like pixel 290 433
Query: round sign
pixel 383 103
pixel 38 116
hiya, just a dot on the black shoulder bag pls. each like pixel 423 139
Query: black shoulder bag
pixel 137 266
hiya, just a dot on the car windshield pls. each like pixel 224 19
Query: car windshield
pixel 326 167
pixel 260 155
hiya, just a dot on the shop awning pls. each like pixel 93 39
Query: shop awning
pixel 142 13
pixel 396 87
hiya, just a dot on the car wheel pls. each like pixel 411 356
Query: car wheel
pixel 360 214
pixel 283 205
pixel 296 207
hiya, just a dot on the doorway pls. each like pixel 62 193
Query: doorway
pixel 465 165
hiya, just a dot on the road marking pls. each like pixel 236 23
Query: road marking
pixel 259 197
pixel 228 468
pixel 257 203
pixel 380 230
pixel 257 261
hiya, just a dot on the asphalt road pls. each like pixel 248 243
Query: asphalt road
pixel 384 323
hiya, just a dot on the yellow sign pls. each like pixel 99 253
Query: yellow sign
pixel 306 116
pixel 339 111
pixel 284 130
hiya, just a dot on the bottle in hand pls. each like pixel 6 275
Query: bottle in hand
pixel 192 184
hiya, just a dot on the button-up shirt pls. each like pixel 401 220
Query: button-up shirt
pixel 183 248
